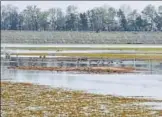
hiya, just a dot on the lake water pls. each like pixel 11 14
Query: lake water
pixel 115 84
pixel 85 45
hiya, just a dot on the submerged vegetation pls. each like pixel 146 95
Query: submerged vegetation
pixel 25 99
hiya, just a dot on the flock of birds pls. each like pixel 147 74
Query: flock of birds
pixel 98 62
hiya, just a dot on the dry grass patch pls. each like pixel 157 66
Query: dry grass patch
pixel 81 69
pixel 113 56
pixel 25 99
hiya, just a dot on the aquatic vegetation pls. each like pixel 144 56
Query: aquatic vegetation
pixel 25 99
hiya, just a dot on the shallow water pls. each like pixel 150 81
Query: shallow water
pixel 151 67
pixel 85 45
pixel 154 105
pixel 82 51
pixel 124 85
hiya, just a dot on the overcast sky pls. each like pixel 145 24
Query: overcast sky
pixel 82 5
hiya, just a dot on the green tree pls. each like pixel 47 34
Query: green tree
pixel 83 21
pixel 9 17
pixel 72 20
pixel 122 19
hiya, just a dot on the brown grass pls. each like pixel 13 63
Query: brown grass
pixel 21 100
pixel 80 69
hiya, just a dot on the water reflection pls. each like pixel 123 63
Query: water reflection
pixel 152 66
pixel 126 85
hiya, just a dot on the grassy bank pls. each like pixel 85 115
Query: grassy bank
pixel 75 37
pixel 113 56
pixel 25 99
pixel 100 55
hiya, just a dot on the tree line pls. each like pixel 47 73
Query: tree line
pixel 104 18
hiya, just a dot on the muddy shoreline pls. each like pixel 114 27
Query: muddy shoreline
pixel 80 69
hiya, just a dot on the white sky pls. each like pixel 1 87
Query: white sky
pixel 82 5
